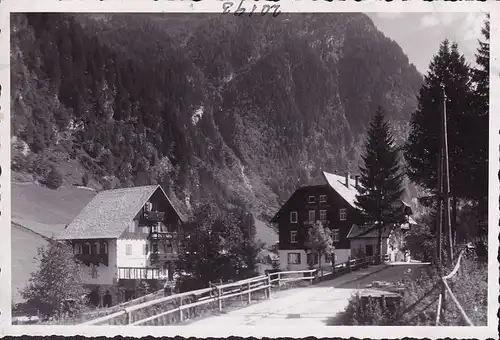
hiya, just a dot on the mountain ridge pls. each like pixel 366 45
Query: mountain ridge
pixel 238 110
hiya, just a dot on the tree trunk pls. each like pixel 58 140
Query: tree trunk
pixel 381 259
pixel 319 264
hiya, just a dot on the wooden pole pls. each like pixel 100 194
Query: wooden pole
pixel 439 217
pixel 446 184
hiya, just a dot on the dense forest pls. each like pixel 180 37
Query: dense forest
pixel 236 109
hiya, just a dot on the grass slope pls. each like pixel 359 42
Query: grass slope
pixel 45 212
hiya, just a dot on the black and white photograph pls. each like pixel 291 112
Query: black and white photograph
pixel 270 170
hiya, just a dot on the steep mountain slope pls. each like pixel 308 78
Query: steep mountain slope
pixel 239 110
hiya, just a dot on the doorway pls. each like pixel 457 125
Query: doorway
pixel 369 250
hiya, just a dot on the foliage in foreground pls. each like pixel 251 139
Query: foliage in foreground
pixel 321 241
pixel 469 286
pixel 220 246
pixel 55 290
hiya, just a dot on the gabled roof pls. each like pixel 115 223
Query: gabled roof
pixel 367 231
pixel 298 190
pixel 110 212
pixel 338 184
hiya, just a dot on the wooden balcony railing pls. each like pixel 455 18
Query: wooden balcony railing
pixel 154 216
pixel 96 259
pixel 145 273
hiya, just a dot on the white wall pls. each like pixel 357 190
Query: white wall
pixel 284 260
pixel 342 255
pixel 138 259
pixel 105 274
pixel 358 245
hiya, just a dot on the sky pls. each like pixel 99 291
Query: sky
pixel 420 34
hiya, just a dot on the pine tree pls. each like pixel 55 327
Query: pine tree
pixel 478 151
pixel 421 150
pixel 381 178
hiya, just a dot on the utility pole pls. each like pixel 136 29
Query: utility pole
pixel 446 184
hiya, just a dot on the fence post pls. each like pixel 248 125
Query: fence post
pixel 268 290
pixel 127 316
pixel 279 280
pixel 219 299
pixel 249 294
pixel 349 263
pixel 181 316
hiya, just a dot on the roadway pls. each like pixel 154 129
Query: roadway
pixel 317 305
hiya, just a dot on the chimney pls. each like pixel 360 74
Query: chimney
pixel 356 179
pixel 347 179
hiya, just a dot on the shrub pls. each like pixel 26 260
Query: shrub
pixel 85 179
pixel 54 179
pixel 419 305
pixel 56 288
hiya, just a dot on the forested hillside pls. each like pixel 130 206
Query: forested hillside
pixel 237 109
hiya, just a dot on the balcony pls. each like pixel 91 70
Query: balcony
pixel 154 216
pixel 163 257
pixel 146 273
pixel 96 259
pixel 162 235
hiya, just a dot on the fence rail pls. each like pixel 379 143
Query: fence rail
pixel 216 298
pixel 444 282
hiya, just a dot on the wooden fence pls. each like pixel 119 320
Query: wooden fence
pixel 444 282
pixel 220 298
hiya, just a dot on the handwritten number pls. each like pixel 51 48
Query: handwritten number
pixel 226 6
pixel 240 10
pixel 253 10
pixel 276 12
pixel 265 9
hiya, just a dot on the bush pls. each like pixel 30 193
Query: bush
pixel 54 179
pixel 369 312
pixel 419 305
pixel 55 289
pixel 85 179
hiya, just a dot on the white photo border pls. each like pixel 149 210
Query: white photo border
pixel 215 6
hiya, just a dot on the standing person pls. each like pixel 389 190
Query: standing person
pixel 107 300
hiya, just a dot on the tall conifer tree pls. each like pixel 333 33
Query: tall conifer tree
pixel 381 177
pixel 449 69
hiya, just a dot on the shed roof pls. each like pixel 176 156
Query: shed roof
pixel 367 231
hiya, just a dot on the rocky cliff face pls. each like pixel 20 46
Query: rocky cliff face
pixel 239 109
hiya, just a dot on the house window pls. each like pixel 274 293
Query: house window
pixel 78 249
pixel 293 258
pixel 312 215
pixel 343 214
pixel 93 271
pixel 97 248
pixel 311 199
pixel 105 247
pixel 335 235
pixel 146 249
pixel 322 198
pixel 87 249
pixel 322 215
pixel 293 217
pixel 133 226
pixel 168 248
pixel 128 249
pixel 293 237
